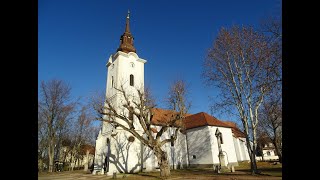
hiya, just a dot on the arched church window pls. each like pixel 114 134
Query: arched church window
pixel 131 80
pixel 112 82
pixel 172 142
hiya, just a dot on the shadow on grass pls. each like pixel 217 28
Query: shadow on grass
pixel 275 172
pixel 263 169
pixel 155 175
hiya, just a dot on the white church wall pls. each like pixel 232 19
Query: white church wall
pixel 244 149
pixel 129 64
pixel 125 156
pixel 180 155
pixel 227 146
pixel 149 159
pixel 199 149
pixel 237 149
pixel 119 70
pixel 177 154
pixel 99 151
pixel 241 149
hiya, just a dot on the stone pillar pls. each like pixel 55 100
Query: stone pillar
pixel 221 159
pixel 222 166
pixel 102 170
pixel 232 169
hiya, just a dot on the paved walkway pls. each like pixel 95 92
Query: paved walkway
pixel 77 175
pixel 80 175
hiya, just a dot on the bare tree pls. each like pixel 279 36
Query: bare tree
pixel 42 142
pixel 54 109
pixel 271 121
pixel 81 135
pixel 178 102
pixel 177 99
pixel 136 112
pixel 242 65
pixel 271 27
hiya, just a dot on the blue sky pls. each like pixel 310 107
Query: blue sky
pixel 76 38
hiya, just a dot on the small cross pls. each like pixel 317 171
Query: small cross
pixel 128 14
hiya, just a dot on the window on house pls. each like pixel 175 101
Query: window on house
pixel 268 153
pixel 131 113
pixel 194 157
pixel 131 80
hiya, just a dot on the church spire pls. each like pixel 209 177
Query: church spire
pixel 127 23
pixel 126 40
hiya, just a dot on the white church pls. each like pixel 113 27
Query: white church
pixel 117 151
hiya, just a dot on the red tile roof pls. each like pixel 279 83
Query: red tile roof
pixel 154 130
pixel 235 130
pixel 232 124
pixel 203 119
pixel 86 147
pixel 164 116
pixel 237 133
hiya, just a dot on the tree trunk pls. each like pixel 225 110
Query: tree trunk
pixel 254 169
pixel 262 155
pixel 277 149
pixel 72 161
pixel 40 165
pixel 87 161
pixel 163 162
pixel 50 154
pixel 252 156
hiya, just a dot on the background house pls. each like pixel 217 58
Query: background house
pixel 265 149
pixel 82 159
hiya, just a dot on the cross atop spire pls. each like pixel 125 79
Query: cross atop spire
pixel 127 23
pixel 126 40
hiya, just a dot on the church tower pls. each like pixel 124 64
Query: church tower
pixel 124 68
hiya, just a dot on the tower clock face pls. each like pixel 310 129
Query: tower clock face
pixel 132 65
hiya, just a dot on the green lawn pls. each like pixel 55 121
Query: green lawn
pixel 267 168
pixel 242 172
